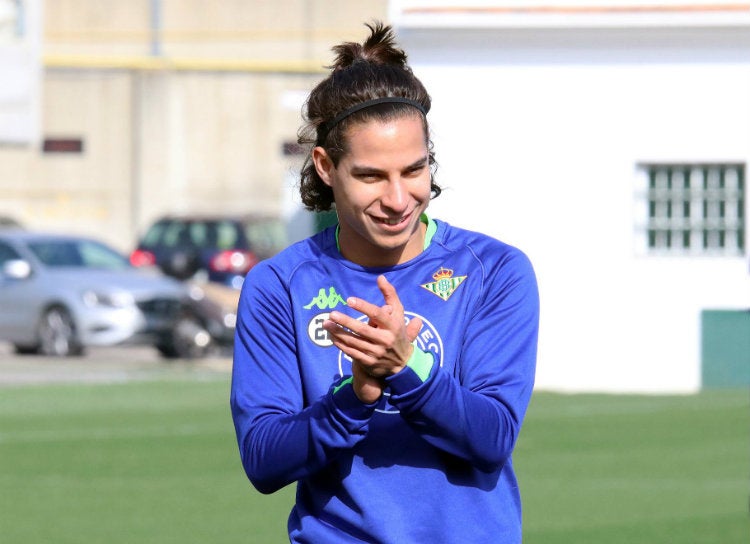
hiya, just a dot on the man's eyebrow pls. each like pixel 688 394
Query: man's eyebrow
pixel 363 169
pixel 419 163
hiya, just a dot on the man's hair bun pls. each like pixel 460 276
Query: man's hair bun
pixel 379 48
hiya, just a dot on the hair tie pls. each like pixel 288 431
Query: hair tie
pixel 325 128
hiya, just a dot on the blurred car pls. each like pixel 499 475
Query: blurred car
pixel 209 319
pixel 60 294
pixel 206 248
pixel 7 222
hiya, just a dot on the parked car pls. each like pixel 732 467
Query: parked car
pixel 7 222
pixel 209 319
pixel 209 248
pixel 60 294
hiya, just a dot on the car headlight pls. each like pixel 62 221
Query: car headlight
pixel 115 299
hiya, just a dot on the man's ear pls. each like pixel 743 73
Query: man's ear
pixel 323 164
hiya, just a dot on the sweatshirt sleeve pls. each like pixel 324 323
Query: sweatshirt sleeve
pixel 477 414
pixel 281 440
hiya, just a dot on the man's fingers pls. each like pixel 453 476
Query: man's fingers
pixel 389 293
pixel 342 325
pixel 353 345
pixel 412 328
pixel 363 306
pixel 378 315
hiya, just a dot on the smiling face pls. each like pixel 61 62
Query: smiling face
pixel 381 187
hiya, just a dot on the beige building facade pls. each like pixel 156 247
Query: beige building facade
pixel 171 106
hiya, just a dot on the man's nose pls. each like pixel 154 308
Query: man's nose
pixel 396 195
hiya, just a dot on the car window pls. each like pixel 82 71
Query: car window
pixel 266 237
pixel 210 234
pixel 154 235
pixel 96 255
pixel 7 253
pixel 176 233
pixel 57 253
pixel 227 235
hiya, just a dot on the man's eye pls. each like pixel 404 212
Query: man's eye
pixel 368 177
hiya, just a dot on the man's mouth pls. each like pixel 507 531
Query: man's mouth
pixel 392 221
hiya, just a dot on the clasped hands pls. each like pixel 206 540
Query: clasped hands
pixel 378 347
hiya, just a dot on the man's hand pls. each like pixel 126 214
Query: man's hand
pixel 378 348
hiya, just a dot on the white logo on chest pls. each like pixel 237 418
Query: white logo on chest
pixel 428 340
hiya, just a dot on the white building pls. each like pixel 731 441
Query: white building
pixel 610 141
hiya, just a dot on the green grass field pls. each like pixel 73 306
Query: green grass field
pixel 156 462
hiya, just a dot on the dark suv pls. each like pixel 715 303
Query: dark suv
pixel 212 248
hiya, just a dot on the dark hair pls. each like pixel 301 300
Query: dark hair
pixel 374 69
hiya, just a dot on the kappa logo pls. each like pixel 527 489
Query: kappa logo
pixel 445 284
pixel 326 302
pixel 323 301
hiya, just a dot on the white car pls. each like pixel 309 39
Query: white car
pixel 60 294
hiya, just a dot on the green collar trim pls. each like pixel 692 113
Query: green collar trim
pixel 431 230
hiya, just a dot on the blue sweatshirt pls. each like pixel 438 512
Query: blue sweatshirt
pixel 431 461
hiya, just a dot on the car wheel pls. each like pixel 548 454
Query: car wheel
pixel 57 334
pixel 183 264
pixel 23 349
pixel 189 339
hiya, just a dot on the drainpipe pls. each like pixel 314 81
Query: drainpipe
pixel 156 12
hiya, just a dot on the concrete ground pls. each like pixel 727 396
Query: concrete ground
pixel 105 365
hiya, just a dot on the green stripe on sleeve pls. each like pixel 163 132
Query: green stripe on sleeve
pixel 421 363
pixel 337 388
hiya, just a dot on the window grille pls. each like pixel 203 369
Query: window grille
pixel 693 208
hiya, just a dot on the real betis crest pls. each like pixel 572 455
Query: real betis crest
pixel 445 284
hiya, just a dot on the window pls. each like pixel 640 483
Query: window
pixel 695 209
pixel 78 253
pixel 7 253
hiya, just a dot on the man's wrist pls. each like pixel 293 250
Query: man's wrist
pixel 421 363
pixel 345 399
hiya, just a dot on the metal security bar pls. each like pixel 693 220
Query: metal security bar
pixel 696 208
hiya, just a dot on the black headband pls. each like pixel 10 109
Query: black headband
pixel 325 128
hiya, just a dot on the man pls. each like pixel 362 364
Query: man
pixel 384 364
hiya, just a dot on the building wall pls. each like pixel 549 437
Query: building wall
pixel 89 191
pixel 213 142
pixel 258 30
pixel 187 115
pixel 539 136
pixel 154 142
